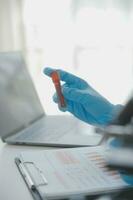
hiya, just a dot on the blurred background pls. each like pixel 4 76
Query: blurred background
pixel 91 38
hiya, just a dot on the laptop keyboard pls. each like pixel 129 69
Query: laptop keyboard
pixel 46 130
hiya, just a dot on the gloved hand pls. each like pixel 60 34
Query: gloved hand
pixel 83 101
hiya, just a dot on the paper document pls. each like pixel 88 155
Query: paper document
pixel 73 171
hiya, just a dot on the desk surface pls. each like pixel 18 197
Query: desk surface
pixel 12 186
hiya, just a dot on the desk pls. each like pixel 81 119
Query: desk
pixel 12 186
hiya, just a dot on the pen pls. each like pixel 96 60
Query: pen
pixel 56 80
pixel 25 174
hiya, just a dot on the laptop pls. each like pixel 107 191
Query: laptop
pixel 22 117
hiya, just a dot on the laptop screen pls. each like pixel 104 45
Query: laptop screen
pixel 19 103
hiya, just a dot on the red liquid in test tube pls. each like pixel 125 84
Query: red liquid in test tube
pixel 56 80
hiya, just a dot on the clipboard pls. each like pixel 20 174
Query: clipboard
pixel 74 173
pixel 32 186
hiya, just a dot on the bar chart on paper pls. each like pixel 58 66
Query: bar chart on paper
pixel 75 171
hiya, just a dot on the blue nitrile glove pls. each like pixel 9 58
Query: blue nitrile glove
pixel 83 101
pixel 127 178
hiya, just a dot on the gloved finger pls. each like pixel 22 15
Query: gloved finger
pixel 67 77
pixel 69 104
pixel 74 95
pixel 55 98
pixel 47 71
pixel 72 79
pixel 67 97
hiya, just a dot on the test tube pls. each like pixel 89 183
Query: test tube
pixel 56 80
